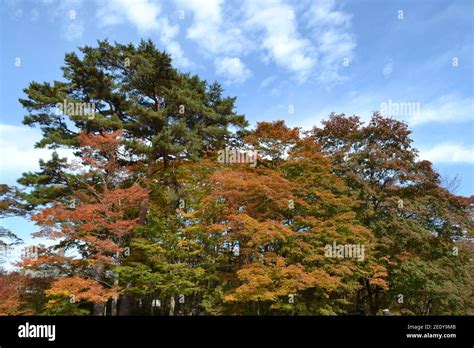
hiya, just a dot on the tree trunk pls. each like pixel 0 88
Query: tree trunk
pixel 372 306
pixel 172 305
pixel 125 307
pixel 113 307
pixel 98 309
pixel 143 212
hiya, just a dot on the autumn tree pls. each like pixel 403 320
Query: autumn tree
pixel 266 229
pixel 166 116
pixel 416 222
pixel 11 294
pixel 95 222
pixel 149 213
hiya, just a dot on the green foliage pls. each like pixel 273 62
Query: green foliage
pixel 206 238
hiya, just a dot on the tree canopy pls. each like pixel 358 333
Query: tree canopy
pixel 343 218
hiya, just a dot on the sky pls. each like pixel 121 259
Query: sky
pixel 292 60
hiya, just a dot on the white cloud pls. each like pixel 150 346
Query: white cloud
pixel 279 35
pixel 69 15
pixel 146 16
pixel 323 12
pixel 268 28
pixel 270 80
pixel 448 153
pixel 330 29
pixel 318 51
pixel 218 33
pixel 233 70
pixel 387 70
pixel 143 14
pixel 73 30
pixel 12 8
pixel 18 153
pixel 446 109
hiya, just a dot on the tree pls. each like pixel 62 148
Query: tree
pixel 10 205
pixel 266 229
pixel 339 219
pixel 95 221
pixel 10 295
pixel 166 116
pixel 416 222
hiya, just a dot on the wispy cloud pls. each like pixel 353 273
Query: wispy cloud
pixel 268 81
pixel 331 30
pixel 387 69
pixel 272 29
pixel 449 108
pixel 69 15
pixel 214 29
pixel 277 33
pixel 18 153
pixel 13 9
pixel 147 17
pixel 448 153
pixel 217 35
pixel 233 70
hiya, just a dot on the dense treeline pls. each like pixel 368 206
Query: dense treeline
pixel 154 218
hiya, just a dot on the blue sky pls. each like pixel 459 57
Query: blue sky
pixel 291 60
